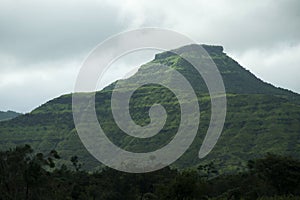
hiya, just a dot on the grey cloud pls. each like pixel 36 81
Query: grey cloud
pixel 237 25
pixel 52 35
pixel 37 31
pixel 265 26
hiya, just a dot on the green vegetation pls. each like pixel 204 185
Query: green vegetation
pixel 260 119
pixel 8 115
pixel 27 175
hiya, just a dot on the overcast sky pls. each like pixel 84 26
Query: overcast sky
pixel 44 42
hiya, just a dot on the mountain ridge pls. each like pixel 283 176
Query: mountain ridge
pixel 217 54
pixel 257 114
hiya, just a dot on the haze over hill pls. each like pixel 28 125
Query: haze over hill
pixel 261 118
pixel 8 115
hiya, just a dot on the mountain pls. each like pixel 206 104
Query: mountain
pixel 8 115
pixel 260 117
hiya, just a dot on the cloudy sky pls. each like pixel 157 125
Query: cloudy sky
pixel 44 42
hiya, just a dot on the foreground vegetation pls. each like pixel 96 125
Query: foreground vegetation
pixel 28 175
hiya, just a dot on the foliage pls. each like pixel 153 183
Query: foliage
pixel 260 118
pixel 28 175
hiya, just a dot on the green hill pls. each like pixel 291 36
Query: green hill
pixel 260 118
pixel 8 115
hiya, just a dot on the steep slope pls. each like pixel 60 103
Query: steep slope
pixel 261 118
pixel 237 79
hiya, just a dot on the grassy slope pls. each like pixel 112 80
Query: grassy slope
pixel 260 118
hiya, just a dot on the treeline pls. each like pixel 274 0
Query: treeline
pixel 30 176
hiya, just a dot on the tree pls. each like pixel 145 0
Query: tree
pixel 23 174
pixel 283 173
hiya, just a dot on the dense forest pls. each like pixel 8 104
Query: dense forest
pixel 25 174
